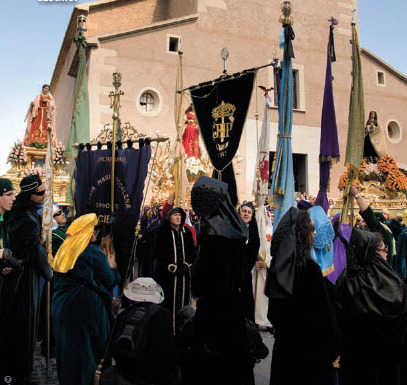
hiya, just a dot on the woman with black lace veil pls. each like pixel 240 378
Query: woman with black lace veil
pixel 371 302
pixel 299 307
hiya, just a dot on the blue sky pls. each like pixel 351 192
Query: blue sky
pixel 31 33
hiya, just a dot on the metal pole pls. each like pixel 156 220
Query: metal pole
pixel 159 139
pixel 117 77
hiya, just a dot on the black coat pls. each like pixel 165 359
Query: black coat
pixel 163 255
pixel 20 296
pixel 251 250
pixel 221 341
pixel 303 349
pixel 371 303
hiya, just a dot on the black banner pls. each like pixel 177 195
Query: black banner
pixel 93 182
pixel 221 110
pixel 93 193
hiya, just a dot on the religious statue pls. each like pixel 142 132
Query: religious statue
pixel 36 132
pixel 190 138
pixel 375 141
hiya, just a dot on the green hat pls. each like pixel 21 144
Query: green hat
pixel 5 185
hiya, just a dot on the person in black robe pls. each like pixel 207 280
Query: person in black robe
pixel 371 302
pixel 299 307
pixel 247 213
pixel 20 296
pixel 217 282
pixel 143 344
pixel 173 255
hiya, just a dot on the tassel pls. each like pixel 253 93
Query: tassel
pixel 337 363
pixel 282 38
pixel 98 372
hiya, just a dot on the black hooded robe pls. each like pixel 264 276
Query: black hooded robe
pixel 20 296
pixel 217 282
pixel 300 312
pixel 371 301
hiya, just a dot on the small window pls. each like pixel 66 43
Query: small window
pixel 381 78
pixel 173 45
pixel 394 131
pixel 147 102
pixel 295 90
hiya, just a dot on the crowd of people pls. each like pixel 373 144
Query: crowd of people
pixel 206 279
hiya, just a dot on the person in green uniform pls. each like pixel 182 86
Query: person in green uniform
pixel 400 262
pixel 20 294
pixel 58 229
pixel 375 224
pixel 7 198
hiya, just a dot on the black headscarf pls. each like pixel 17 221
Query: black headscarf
pixel 210 200
pixel 30 182
pixel 177 210
pixel 304 205
pixel 368 287
pixel 281 274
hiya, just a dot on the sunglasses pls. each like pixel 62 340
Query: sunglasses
pixel 58 213
pixel 385 248
pixel 39 193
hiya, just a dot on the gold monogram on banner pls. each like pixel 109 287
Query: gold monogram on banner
pixel 221 130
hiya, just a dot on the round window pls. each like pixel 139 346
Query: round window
pixel 394 131
pixel 149 102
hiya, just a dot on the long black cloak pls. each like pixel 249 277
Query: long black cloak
pixel 300 312
pixel 371 302
pixel 20 296
pixel 217 282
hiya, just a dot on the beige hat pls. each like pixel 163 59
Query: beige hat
pixel 144 289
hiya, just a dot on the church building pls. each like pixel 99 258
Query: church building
pixel 141 39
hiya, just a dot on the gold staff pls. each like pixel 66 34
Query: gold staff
pixel 48 227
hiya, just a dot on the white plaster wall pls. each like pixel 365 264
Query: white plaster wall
pixel 99 101
pixel 63 95
pixel 305 140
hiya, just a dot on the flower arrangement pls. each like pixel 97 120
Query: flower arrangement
pixel 387 164
pixel 396 181
pixel 344 180
pixel 31 171
pixel 60 160
pixel 386 171
pixel 18 155
pixel 195 167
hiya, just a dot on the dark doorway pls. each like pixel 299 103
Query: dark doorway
pixel 299 168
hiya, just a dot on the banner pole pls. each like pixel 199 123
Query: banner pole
pixel 115 97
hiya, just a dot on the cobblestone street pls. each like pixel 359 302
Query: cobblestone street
pixel 261 370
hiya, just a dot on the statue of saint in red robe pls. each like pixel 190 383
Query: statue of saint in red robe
pixel 190 138
pixel 36 132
